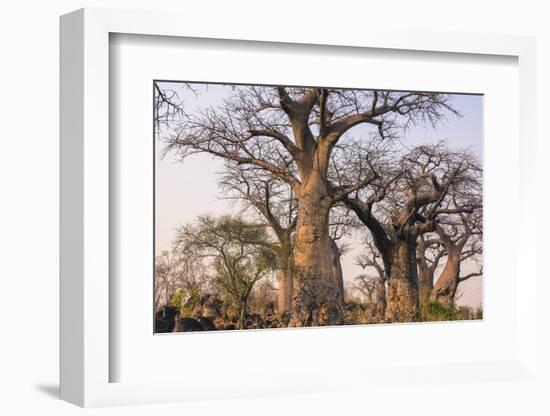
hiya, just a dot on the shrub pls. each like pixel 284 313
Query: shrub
pixel 177 298
pixel 433 311
pixel 186 300
pixel 478 313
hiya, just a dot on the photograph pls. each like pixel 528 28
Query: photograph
pixel 283 206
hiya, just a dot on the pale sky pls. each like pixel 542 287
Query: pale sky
pixel 186 190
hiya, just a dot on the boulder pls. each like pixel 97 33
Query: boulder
pixel 168 312
pixel 208 311
pixel 187 325
pixel 164 325
pixel 207 324
pixel 165 319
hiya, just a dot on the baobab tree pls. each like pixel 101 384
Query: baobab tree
pixel 411 198
pixel 429 253
pixel 276 128
pixel 374 282
pixel 274 201
pixel 457 236
pixel 462 241
pixel 335 255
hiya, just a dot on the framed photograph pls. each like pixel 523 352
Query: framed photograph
pixel 282 213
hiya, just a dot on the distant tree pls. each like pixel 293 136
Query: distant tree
pixel 375 282
pixel 166 279
pixel 176 273
pixel 341 225
pixel 273 200
pixel 462 238
pixel 429 253
pixel 263 299
pixel 239 253
pixel 455 238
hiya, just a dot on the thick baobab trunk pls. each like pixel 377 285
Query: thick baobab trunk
pixel 425 283
pixel 425 273
pixel 380 297
pixel 284 295
pixel 242 315
pixel 337 273
pixel 444 290
pixel 315 298
pixel 402 292
pixel 286 279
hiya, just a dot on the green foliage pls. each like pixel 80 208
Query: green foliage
pixel 267 259
pixel 238 251
pixel 478 314
pixel 216 303
pixel 229 311
pixel 177 298
pixel 187 301
pixel 433 311
pixel 356 314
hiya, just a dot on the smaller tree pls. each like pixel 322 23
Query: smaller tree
pixel 176 276
pixel 373 284
pixel 238 252
pixel 462 240
pixel 273 200
pixel 165 279
pixel 430 252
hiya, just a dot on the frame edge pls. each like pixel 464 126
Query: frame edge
pixel 71 231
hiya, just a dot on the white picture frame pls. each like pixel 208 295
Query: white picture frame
pixel 85 221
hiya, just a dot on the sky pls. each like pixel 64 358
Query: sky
pixel 185 190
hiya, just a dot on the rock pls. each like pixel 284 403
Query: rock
pixel 207 324
pixel 284 319
pixel 168 312
pixel 165 319
pixel 351 306
pixel 164 325
pixel 209 312
pixel 187 325
pixel 197 312
pixel 269 308
pixel 203 299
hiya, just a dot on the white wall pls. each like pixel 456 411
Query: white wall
pixel 29 179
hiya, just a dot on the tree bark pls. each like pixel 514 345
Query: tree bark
pixel 284 295
pixel 381 297
pixel 425 273
pixel 425 284
pixel 337 272
pixel 402 293
pixel 315 298
pixel 398 253
pixel 243 307
pixel 242 315
pixel 286 279
pixel 445 288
